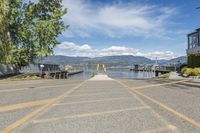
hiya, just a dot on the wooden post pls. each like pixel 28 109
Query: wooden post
pixel 64 75
pixel 60 75
pixel 67 75
pixel 54 75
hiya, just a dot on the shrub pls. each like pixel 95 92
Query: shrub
pixel 164 75
pixel 24 77
pixel 195 72
pixel 190 71
pixel 93 74
pixel 186 71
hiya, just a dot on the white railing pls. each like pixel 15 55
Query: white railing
pixel 193 50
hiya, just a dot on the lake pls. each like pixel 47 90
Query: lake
pixel 115 74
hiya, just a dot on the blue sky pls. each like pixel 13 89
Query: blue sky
pixel 150 28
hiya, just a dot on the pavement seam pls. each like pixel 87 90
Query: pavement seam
pixel 21 121
pixel 92 101
pixel 88 114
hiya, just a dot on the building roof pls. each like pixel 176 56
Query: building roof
pixel 197 30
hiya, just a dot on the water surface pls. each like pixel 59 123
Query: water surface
pixel 115 74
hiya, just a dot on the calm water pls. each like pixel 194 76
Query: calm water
pixel 115 74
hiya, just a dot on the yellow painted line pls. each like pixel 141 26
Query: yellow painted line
pixel 168 128
pixel 24 105
pixel 89 114
pixel 21 121
pixel 157 85
pixel 182 116
pixel 21 89
pixel 92 101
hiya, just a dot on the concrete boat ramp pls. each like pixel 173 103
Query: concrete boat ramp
pixel 99 105
pixel 100 77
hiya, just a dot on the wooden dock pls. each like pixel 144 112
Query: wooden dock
pixel 60 74
pixel 157 72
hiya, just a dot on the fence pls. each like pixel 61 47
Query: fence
pixel 6 70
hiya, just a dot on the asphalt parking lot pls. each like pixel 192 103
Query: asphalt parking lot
pixel 100 106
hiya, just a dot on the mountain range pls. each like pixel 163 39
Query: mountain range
pixel 122 60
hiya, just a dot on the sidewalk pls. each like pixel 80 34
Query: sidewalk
pixel 175 75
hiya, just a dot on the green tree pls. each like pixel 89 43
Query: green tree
pixel 5 43
pixel 49 25
pixel 41 27
pixel 29 30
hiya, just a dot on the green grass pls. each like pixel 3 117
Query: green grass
pixel 24 77
pixel 164 75
pixel 93 74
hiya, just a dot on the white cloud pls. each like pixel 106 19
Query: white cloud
pixel 161 55
pixel 72 49
pixel 116 20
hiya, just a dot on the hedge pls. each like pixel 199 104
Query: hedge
pixel 194 60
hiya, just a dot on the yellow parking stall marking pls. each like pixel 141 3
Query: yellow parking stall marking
pixel 142 102
pixel 157 85
pixel 24 105
pixel 92 101
pixel 11 90
pixel 170 128
pixel 89 114
pixel 45 101
pixel 182 116
pixel 41 87
pixel 21 121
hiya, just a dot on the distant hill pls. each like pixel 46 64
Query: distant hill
pixel 122 60
pixel 60 59
pixel 181 59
